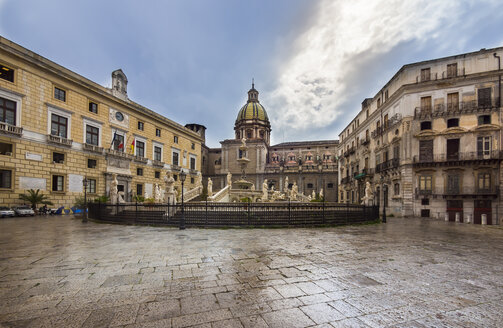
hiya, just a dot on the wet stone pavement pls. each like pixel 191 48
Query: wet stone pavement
pixel 58 272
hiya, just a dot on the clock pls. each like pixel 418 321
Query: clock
pixel 119 116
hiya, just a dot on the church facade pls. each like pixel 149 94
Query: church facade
pixel 309 164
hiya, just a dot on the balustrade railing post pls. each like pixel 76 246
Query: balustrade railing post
pixel 249 212
pixel 289 213
pixel 206 214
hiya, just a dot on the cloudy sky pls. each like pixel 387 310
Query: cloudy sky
pixel 193 60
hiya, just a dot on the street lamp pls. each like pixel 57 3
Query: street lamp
pixel 183 176
pixel 84 183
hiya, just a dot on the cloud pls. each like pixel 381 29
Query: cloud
pixel 312 85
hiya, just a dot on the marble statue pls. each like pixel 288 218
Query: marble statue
pixel 210 187
pixel 145 195
pixel 229 179
pixel 169 193
pixel 113 189
pixel 369 195
pixel 243 142
pixel 313 195
pixel 295 191
pixel 286 186
pixel 199 180
pixel 265 193
pixel 321 193
pixel 157 193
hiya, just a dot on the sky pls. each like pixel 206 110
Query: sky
pixel 192 61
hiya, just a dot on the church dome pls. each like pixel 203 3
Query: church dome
pixel 252 110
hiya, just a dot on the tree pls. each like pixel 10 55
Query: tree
pixel 35 197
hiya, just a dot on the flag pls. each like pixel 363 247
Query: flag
pixel 113 139
pixel 121 145
pixel 132 146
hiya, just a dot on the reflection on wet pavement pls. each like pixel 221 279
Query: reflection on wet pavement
pixel 58 272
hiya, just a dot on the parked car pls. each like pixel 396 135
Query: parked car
pixel 6 211
pixel 23 210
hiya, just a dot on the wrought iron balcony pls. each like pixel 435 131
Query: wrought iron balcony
pixel 455 158
pixel 345 180
pixel 93 148
pixel 473 106
pixel 11 129
pixel 365 142
pixel 389 164
pixel 460 191
pixel 59 140
pixel 391 123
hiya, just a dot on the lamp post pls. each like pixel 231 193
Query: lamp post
pixel 84 183
pixel 183 176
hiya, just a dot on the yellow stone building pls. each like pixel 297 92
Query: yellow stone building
pixel 57 127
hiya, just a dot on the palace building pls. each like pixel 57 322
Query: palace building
pixel 57 128
pixel 309 164
pixel 429 142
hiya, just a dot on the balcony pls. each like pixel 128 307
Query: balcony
pixel 140 159
pixel 157 163
pixel 389 164
pixel 442 76
pixel 93 148
pixel 365 142
pixel 59 140
pixel 460 191
pixel 175 167
pixel 6 128
pixel 345 180
pixel 463 107
pixel 456 159
pixel 391 123
pixel 118 153
pixel 193 171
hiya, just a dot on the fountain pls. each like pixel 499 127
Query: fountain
pixel 243 161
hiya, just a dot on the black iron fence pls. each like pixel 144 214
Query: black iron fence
pixel 207 214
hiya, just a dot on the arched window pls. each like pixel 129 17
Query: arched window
pixel 249 134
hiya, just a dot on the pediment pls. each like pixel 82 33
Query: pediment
pixel 486 127
pixel 426 133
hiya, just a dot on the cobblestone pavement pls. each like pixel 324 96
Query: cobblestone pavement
pixel 58 272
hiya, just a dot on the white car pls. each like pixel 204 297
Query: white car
pixel 6 211
pixel 23 210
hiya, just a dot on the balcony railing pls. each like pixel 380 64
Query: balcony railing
pixel 118 153
pixel 465 156
pixel 59 140
pixel 345 180
pixel 443 109
pixel 11 129
pixel 365 142
pixel 444 75
pixel 140 159
pixel 391 123
pixel 157 163
pixel 459 191
pixel 175 167
pixel 389 164
pixel 93 148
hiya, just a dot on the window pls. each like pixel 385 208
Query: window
pixel 175 158
pixel 92 135
pixel 483 146
pixel 58 158
pixel 5 179
pixel 93 107
pixel 385 122
pixel 396 189
pixel 140 126
pixel 425 182
pixel 484 98
pixel 385 95
pixel 157 132
pixel 452 149
pixel 59 126
pixel 7 111
pixel 425 150
pixel 91 186
pixel 484 119
pixel 140 148
pixel 91 163
pixel 59 94
pixel 425 74
pixel 192 180
pixel 175 177
pixel 6 73
pixel 330 185
pixel 453 184
pixel 310 185
pixel 58 183
pixel 5 149
pixel 139 189
pixel 157 174
pixel 484 181
pixel 426 104
pixel 425 201
pixel 452 70
pixel 175 139
pixel 452 101
pixel 378 102
pixel 192 163
pixel 157 153
pixel 396 152
pixel 118 142
pixel 248 134
pixel 426 125
pixel 193 146
pixel 139 171
pixel 452 122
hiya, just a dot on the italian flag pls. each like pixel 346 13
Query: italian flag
pixel 132 146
